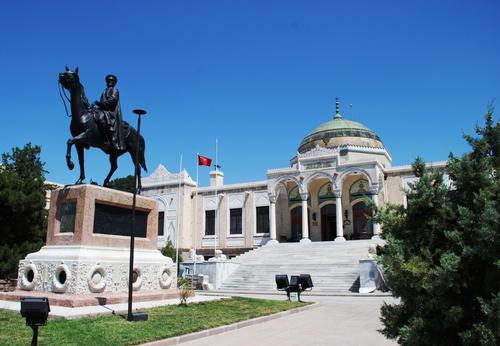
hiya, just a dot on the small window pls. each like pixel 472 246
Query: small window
pixel 263 219
pixel 235 221
pixel 209 222
pixel 161 220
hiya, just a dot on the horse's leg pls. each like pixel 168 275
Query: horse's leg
pixel 112 160
pixel 81 161
pixel 78 141
pixel 70 163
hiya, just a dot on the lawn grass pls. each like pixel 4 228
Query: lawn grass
pixel 164 322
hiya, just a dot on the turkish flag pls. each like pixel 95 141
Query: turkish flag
pixel 204 161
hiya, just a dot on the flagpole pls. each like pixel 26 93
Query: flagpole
pixel 178 217
pixel 195 216
pixel 216 196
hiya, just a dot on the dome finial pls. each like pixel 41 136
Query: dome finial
pixel 337 109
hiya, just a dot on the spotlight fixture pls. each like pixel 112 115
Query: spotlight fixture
pixel 36 311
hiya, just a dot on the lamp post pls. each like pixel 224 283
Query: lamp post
pixel 142 316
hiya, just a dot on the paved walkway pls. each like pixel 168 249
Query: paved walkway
pixel 334 321
pixel 339 320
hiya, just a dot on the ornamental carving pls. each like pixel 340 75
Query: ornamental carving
pixel 359 189
pixel 326 192
pixel 318 151
pixel 161 176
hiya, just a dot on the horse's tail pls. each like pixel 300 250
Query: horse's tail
pixel 142 149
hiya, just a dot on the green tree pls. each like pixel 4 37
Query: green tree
pixel 442 256
pixel 22 206
pixel 123 184
pixel 170 251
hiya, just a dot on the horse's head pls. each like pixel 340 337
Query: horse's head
pixel 69 79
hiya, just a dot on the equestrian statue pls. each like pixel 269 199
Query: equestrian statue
pixel 100 125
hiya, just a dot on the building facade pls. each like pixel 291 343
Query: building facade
pixel 321 196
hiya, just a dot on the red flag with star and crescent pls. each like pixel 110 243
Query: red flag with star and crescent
pixel 204 161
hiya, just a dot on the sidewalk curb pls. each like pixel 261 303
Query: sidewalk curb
pixel 303 295
pixel 222 329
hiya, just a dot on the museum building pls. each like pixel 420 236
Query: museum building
pixel 321 196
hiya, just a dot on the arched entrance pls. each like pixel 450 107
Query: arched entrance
pixel 296 224
pixel 362 228
pixel 328 222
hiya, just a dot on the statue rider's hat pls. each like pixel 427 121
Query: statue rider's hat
pixel 111 76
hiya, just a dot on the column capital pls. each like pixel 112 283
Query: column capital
pixel 272 197
pixel 374 190
pixel 338 193
pixel 304 196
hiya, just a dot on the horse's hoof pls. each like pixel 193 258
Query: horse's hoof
pixel 71 165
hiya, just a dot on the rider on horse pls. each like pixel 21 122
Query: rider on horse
pixel 110 118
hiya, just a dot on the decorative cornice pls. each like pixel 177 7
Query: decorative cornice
pixel 162 177
pixel 365 149
pixel 252 186
pixel 281 170
pixel 409 169
pixel 318 152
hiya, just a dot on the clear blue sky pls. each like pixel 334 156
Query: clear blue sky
pixel 259 75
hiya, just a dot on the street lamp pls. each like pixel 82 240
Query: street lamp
pixel 138 316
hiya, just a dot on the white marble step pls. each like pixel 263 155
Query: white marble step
pixel 333 266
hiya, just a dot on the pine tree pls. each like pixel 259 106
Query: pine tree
pixel 123 184
pixel 22 206
pixel 442 256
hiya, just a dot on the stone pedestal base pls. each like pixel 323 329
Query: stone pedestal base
pixel 87 251
pixel 94 299
pixel 341 239
pixel 305 240
pixel 80 269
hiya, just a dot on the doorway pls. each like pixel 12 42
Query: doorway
pixel 328 222
pixel 362 228
pixel 296 224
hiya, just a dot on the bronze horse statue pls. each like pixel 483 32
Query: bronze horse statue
pixel 88 132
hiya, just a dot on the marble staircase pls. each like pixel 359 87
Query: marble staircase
pixel 333 266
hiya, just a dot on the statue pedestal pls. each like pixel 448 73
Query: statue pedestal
pixel 87 249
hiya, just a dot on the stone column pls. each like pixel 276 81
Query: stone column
pixel 376 226
pixel 305 219
pixel 272 219
pixel 339 218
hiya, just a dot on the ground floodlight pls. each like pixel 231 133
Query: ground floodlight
pixel 281 281
pixel 305 281
pixel 294 283
pixel 36 311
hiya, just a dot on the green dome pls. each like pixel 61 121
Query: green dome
pixel 338 132
pixel 340 124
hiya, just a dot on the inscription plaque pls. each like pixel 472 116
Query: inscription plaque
pixel 113 220
pixel 67 213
